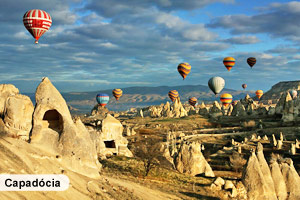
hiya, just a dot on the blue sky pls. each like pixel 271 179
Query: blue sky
pixel 94 45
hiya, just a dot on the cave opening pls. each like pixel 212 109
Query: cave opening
pixel 53 120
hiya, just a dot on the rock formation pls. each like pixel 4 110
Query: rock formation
pixel 238 110
pixel 291 178
pixel 254 181
pixel 99 111
pixel 216 110
pixel 6 90
pixel 265 168
pixel 111 136
pixel 17 121
pixel 191 161
pixel 279 180
pixel 55 131
pixel 280 187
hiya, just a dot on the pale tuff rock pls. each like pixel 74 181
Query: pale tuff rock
pixel 293 149
pixel 192 111
pixel 271 110
pixel 6 90
pixel 292 179
pixel 258 138
pixel 166 111
pixel 274 141
pixel 99 111
pixel 140 113
pixel 285 97
pixel 279 144
pixel 203 111
pixel 216 110
pixel 111 135
pixel 265 138
pixel 254 181
pixel 191 161
pixel 230 186
pixel 54 131
pixel 280 187
pixel 281 136
pixel 17 120
pixel 218 184
pixel 297 144
pixel 238 110
pixel 178 109
pixel 265 168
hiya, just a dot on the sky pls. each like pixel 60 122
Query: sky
pixel 94 45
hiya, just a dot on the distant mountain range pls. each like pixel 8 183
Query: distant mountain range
pixel 145 96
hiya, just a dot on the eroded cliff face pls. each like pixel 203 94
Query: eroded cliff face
pixel 278 89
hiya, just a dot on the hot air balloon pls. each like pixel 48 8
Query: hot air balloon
pixel 293 94
pixel 226 99
pixel 216 84
pixel 117 93
pixel 259 93
pixel 244 86
pixel 184 69
pixel 193 101
pixel 251 61
pixel 37 22
pixel 229 62
pixel 173 94
pixel 102 99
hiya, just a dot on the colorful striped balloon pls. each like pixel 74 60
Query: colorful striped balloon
pixel 229 62
pixel 244 86
pixel 259 93
pixel 226 99
pixel 117 93
pixel 251 61
pixel 37 22
pixel 102 99
pixel 173 94
pixel 193 101
pixel 184 69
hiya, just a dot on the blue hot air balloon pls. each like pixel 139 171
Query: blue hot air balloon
pixel 102 99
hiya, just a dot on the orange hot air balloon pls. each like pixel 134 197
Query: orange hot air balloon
pixel 229 62
pixel 226 99
pixel 193 101
pixel 259 93
pixel 117 93
pixel 173 94
pixel 184 69
pixel 37 22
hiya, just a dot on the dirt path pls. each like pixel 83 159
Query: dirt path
pixel 142 191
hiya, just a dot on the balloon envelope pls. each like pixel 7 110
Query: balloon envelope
pixel 244 86
pixel 226 99
pixel 37 22
pixel 173 94
pixel 216 84
pixel 193 101
pixel 259 93
pixel 251 61
pixel 184 69
pixel 293 94
pixel 229 62
pixel 102 99
pixel 117 93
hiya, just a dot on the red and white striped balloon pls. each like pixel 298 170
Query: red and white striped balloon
pixel 37 22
